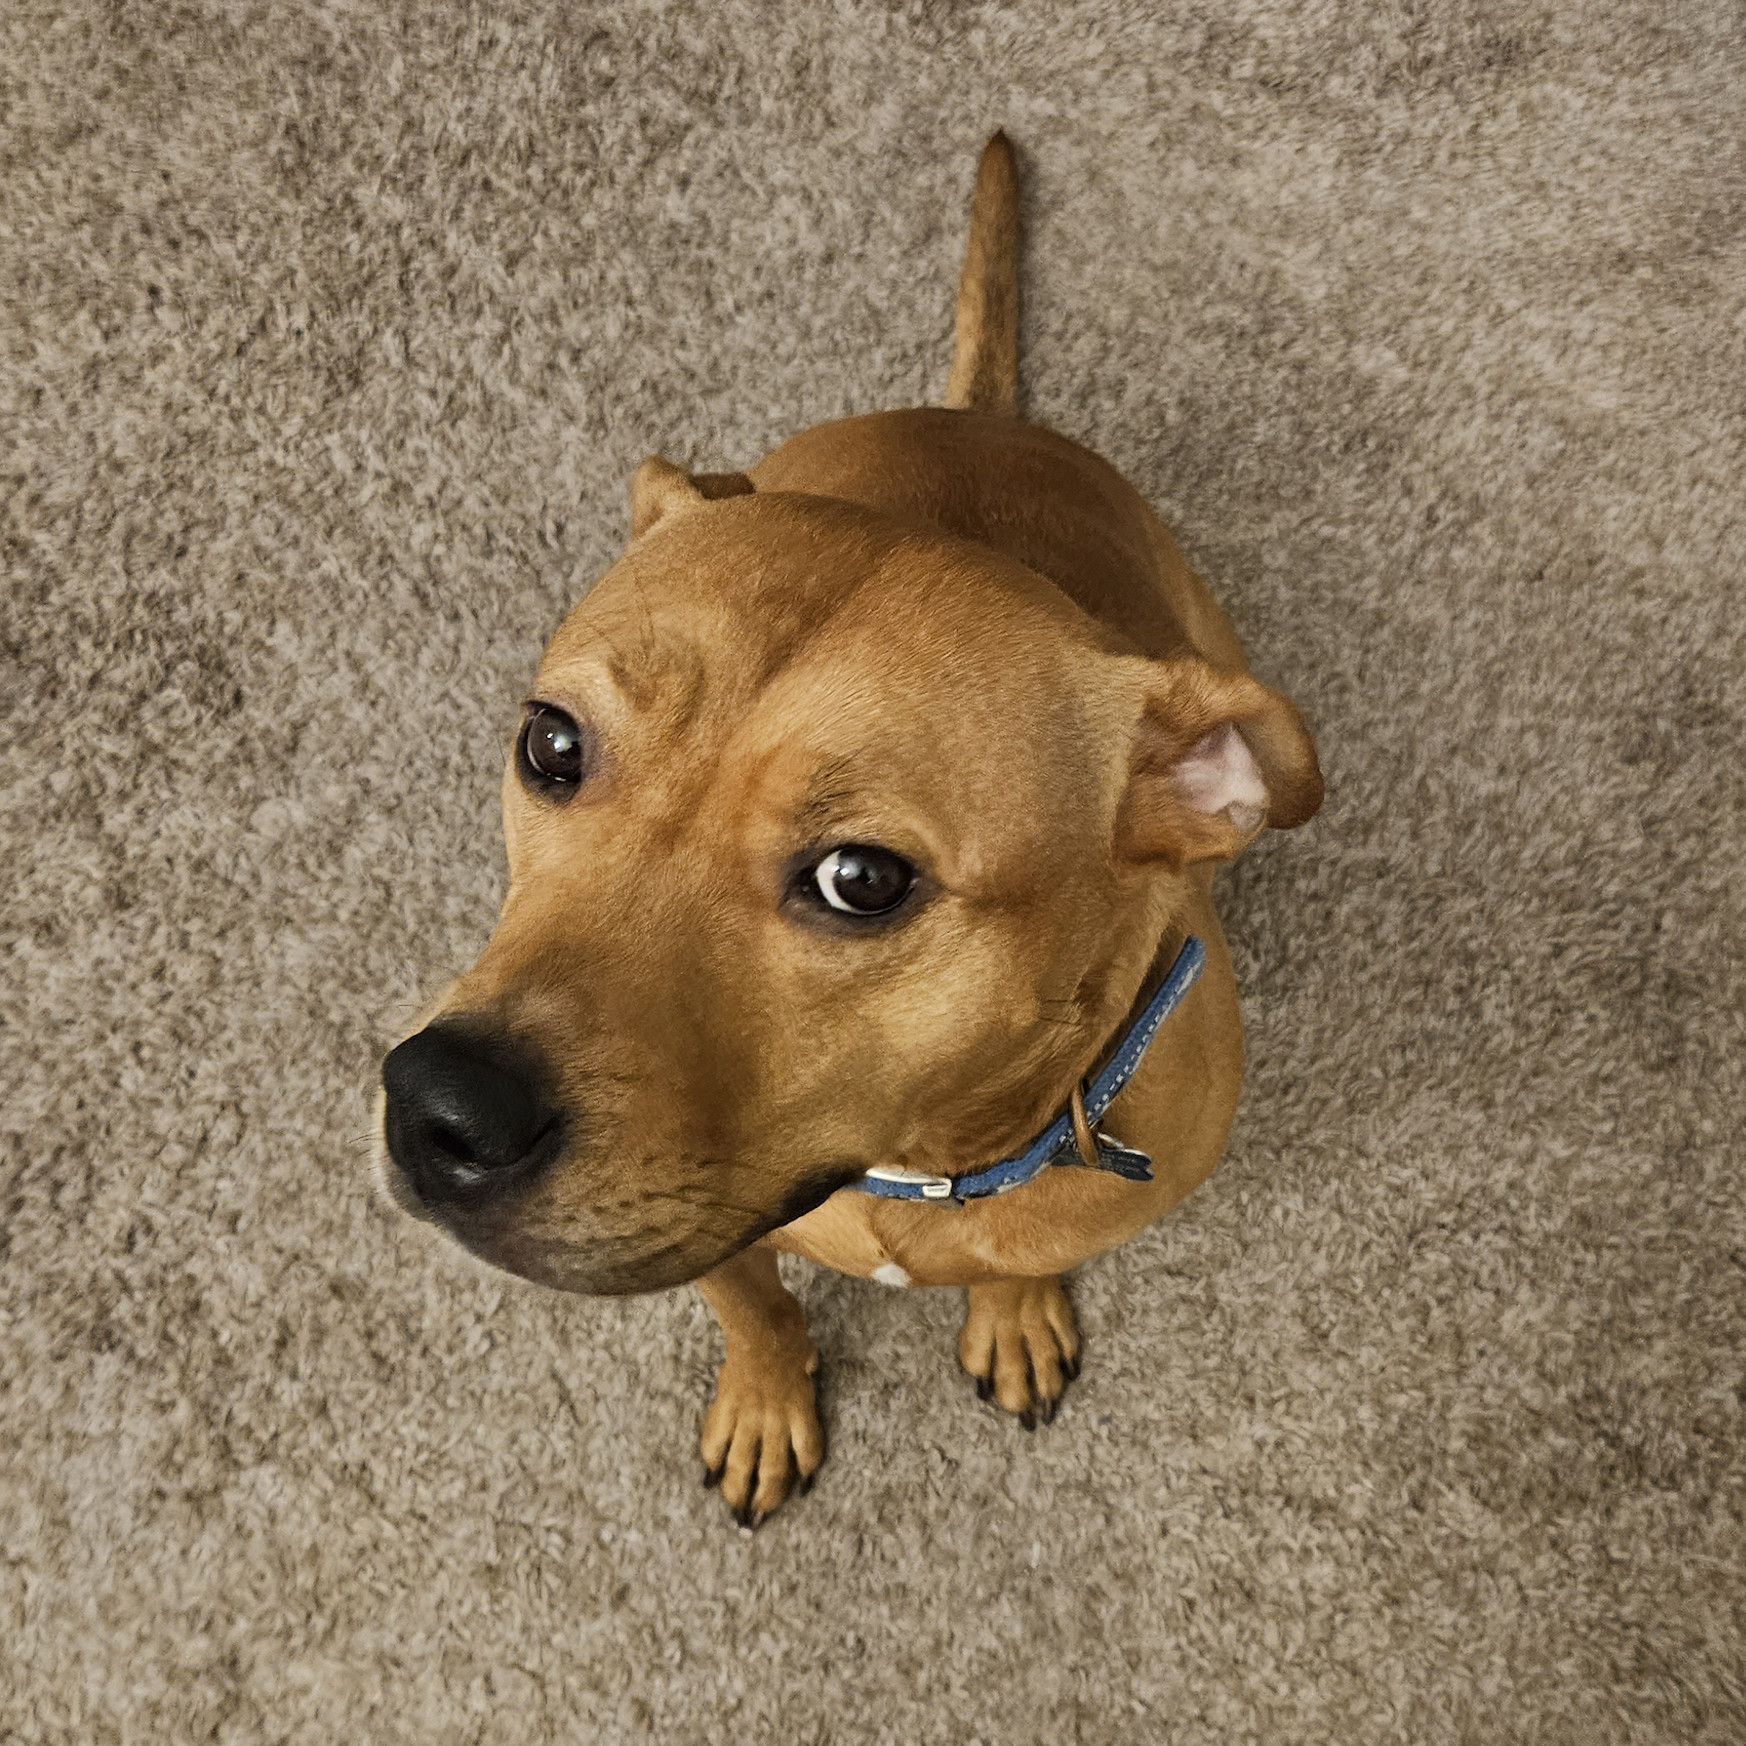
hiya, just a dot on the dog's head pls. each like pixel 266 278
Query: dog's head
pixel 832 842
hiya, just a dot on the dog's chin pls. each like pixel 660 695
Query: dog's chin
pixel 594 1269
pixel 522 1241
pixel 592 1266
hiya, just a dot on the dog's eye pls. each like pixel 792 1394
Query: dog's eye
pixel 863 880
pixel 550 753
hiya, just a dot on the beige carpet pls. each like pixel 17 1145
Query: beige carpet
pixel 330 335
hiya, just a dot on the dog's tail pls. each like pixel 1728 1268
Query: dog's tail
pixel 985 345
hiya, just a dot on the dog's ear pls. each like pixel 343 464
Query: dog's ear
pixel 659 490
pixel 1216 756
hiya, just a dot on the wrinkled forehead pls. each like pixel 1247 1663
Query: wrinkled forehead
pixel 953 708
pixel 810 632
pixel 717 600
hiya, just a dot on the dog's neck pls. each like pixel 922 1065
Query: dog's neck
pixel 1072 1136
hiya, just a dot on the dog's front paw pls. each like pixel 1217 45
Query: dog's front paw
pixel 761 1435
pixel 1021 1346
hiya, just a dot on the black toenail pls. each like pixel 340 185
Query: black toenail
pixel 984 1387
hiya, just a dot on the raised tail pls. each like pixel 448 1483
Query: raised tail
pixel 984 374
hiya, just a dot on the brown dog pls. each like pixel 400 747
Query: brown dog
pixel 856 812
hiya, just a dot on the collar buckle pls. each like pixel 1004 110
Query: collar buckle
pixel 912 1184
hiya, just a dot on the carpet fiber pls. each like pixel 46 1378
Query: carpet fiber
pixel 330 335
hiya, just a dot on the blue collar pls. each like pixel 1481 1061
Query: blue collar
pixel 892 1182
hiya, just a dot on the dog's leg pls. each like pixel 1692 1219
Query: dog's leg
pixel 1020 1345
pixel 761 1432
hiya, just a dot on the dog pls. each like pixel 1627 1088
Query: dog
pixel 861 830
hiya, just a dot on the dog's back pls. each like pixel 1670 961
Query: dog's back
pixel 973 468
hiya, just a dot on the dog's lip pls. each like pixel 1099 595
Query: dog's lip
pixel 589 1268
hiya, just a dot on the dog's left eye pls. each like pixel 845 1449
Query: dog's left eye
pixel 862 879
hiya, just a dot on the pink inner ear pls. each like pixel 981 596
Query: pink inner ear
pixel 1218 771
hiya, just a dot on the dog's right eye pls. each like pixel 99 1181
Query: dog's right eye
pixel 550 753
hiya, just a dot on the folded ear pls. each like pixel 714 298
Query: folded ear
pixel 660 490
pixel 1216 756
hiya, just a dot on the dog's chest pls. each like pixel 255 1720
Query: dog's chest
pixel 894 1242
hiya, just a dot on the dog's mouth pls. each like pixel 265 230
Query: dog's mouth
pixel 548 1233
pixel 578 1256
pixel 624 1267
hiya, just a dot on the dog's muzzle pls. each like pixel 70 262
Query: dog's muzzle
pixel 476 1139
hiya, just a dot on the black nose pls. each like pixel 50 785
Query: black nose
pixel 466 1116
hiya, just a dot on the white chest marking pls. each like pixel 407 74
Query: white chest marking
pixel 891 1274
